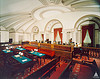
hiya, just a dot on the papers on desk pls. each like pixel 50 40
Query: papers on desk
pixel 8 50
pixel 21 48
pixel 24 60
pixel 17 55
pixel 40 54
pixel 32 51
pixel 35 49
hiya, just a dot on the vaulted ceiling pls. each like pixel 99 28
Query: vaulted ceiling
pixel 19 14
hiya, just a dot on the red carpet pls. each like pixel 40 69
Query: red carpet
pixel 85 72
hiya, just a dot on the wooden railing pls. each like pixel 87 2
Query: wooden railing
pixel 93 52
pixel 34 43
pixel 62 47
pixel 68 48
pixel 45 45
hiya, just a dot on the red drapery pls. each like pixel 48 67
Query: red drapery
pixel 43 37
pixel 60 33
pixel 90 29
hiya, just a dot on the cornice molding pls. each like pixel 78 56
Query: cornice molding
pixel 46 8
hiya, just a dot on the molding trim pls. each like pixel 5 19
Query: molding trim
pixel 86 16
pixel 58 22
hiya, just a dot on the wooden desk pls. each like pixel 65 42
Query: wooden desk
pixel 16 65
pixel 40 55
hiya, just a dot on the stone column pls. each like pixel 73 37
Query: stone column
pixel 63 36
pixel 52 37
pixel 74 36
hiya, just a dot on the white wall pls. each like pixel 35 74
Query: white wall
pixel 4 36
pixel 68 21
pixel 12 35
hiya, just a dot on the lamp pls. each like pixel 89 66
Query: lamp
pixel 87 39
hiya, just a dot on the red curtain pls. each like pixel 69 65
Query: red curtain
pixel 90 29
pixel 43 37
pixel 60 33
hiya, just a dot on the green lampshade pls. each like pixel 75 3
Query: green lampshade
pixel 87 38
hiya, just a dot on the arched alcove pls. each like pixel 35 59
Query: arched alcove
pixel 88 21
pixel 53 30
pixel 34 31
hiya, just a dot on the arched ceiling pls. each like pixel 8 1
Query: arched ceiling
pixel 22 14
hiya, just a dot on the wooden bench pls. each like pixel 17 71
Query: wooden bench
pixel 66 72
pixel 45 70
pixel 30 48
pixel 47 52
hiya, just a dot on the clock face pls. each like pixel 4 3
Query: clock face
pixel 35 29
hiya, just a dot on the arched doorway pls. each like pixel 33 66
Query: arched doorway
pixel 88 27
pixel 53 31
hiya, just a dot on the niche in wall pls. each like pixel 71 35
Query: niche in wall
pixel 93 23
pixel 88 35
pixel 35 31
pixel 49 29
